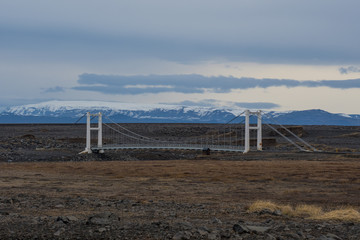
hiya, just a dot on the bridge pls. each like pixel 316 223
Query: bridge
pixel 228 137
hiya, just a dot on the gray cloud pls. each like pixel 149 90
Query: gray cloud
pixel 257 105
pixel 350 69
pixel 279 31
pixel 74 46
pixel 217 103
pixel 54 89
pixel 5 103
pixel 115 84
pixel 63 38
pixel 201 103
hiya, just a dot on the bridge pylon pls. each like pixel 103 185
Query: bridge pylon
pixel 258 128
pixel 89 129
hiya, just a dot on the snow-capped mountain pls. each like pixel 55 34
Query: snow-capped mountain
pixel 71 111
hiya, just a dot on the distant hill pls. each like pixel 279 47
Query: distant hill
pixel 71 111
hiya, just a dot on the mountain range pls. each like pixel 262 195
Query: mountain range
pixel 72 111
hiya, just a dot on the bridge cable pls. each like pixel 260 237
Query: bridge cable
pixel 127 134
pixel 82 118
pixel 234 118
pixel 297 137
pixel 292 142
pixel 141 136
pixel 79 119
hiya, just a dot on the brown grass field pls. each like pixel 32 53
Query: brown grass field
pixel 328 184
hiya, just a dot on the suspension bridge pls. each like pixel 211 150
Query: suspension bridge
pixel 242 137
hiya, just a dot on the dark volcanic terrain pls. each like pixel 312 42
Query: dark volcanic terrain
pixel 49 191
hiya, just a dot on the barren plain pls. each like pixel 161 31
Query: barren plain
pixel 49 191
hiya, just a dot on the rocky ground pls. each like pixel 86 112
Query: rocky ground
pixel 49 191
pixel 129 219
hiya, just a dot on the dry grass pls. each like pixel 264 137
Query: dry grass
pixel 347 214
pixel 315 183
pixel 305 210
pixel 261 205
pixel 292 171
pixel 308 211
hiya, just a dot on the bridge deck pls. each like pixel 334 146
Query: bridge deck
pixel 178 147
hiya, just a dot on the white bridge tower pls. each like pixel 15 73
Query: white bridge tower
pixel 258 128
pixel 89 129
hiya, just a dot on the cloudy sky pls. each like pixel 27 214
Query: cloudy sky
pixel 274 55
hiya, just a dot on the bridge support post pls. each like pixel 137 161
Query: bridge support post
pixel 89 129
pixel 258 128
pixel 88 134
pixel 259 131
pixel 100 132
pixel 247 131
